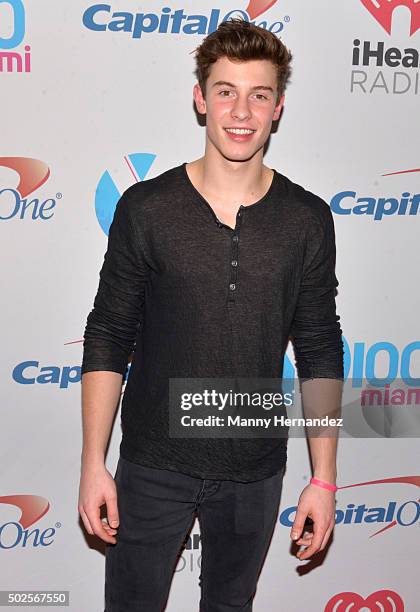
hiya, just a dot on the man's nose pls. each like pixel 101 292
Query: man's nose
pixel 241 109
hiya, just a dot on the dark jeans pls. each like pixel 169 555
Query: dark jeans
pixel 157 509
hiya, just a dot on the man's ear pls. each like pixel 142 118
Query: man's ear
pixel 199 99
pixel 278 107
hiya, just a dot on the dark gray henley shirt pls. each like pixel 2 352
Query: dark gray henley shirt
pixel 193 297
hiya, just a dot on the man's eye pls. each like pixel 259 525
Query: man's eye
pixel 262 96
pixel 223 92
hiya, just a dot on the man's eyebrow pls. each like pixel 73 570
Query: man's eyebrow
pixel 264 87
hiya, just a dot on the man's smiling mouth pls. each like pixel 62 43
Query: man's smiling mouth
pixel 239 130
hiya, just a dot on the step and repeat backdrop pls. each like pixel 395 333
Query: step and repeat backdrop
pixel 97 96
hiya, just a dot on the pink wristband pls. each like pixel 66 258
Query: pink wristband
pixel 323 484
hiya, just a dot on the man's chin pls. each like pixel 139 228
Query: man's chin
pixel 238 156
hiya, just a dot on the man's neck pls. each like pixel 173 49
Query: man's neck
pixel 229 184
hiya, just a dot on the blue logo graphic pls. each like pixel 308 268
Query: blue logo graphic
pixel 101 18
pixel 405 515
pixel 349 203
pixel 107 192
pixel 19 25
pixel 31 372
pixel 362 361
pixel 15 60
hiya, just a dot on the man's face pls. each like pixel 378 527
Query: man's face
pixel 239 95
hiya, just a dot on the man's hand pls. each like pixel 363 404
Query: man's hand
pixel 97 487
pixel 319 505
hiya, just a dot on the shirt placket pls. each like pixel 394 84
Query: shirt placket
pixel 234 258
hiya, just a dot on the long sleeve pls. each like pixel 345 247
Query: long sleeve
pixel 316 331
pixel 114 321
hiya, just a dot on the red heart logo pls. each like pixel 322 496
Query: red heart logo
pixel 256 7
pixel 382 11
pixel 379 601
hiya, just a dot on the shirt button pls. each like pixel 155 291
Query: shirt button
pixel 235 238
pixel 234 262
pixel 232 286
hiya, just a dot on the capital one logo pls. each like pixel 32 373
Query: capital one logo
pixel 382 11
pixel 114 181
pixel 393 514
pixel 102 18
pixel 14 61
pixel 384 599
pixel 14 201
pixel 349 202
pixel 14 534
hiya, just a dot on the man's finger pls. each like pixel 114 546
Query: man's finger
pixel 319 533
pixel 298 524
pixel 305 539
pixel 97 526
pixel 86 521
pixel 112 511
pixel 326 537
pixel 107 527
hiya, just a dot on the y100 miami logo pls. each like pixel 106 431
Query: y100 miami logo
pixel 131 169
pixel 391 513
pixel 102 18
pixel 382 67
pixel 18 60
pixel 16 534
pixel 349 202
pixel 362 361
pixel 14 201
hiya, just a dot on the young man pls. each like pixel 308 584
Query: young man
pixel 210 267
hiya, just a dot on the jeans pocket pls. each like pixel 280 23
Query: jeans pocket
pixel 249 503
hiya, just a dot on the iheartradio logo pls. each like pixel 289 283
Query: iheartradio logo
pixel 382 11
pixel 379 601
pixel 379 69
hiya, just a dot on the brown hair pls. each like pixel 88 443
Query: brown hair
pixel 241 40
